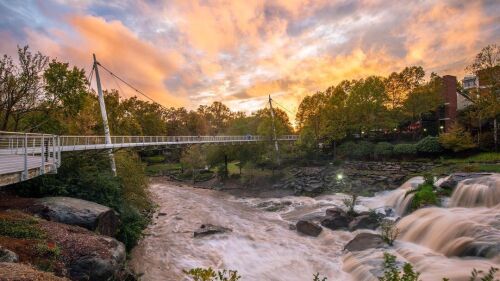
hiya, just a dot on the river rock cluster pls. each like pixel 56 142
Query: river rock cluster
pixel 338 219
pixel 358 177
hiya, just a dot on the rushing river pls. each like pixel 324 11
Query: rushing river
pixel 262 246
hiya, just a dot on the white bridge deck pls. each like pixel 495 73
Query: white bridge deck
pixel 24 156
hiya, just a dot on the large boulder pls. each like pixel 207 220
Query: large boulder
pixel 209 229
pixel 7 255
pixel 365 241
pixel 98 267
pixel 451 181
pixel 308 228
pixel 78 212
pixel 336 219
pixel 364 222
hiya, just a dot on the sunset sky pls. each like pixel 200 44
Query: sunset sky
pixel 187 52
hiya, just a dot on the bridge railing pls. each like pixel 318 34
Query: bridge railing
pixel 25 151
pixel 94 142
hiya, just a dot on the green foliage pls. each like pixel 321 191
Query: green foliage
pixel 132 224
pixel 405 149
pixel 50 250
pixel 359 150
pixel 155 159
pixel 393 273
pixel 457 139
pixel 429 145
pixel 424 195
pixel 488 276
pixel 383 149
pixel 389 232
pixel 208 274
pixel 21 228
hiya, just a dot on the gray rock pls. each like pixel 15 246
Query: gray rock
pixel 452 180
pixel 336 219
pixel 308 228
pixel 364 222
pixel 99 268
pixel 365 241
pixel 8 255
pixel 481 249
pixel 209 229
pixel 79 212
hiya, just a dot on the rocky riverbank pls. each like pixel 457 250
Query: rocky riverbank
pixel 59 238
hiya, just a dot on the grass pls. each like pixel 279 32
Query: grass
pixel 159 169
pixel 26 228
pixel 485 157
pixel 155 159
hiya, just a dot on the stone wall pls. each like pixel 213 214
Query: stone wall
pixel 363 178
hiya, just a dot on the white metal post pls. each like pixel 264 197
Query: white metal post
pixel 25 173
pixel 276 147
pixel 104 115
pixel 42 150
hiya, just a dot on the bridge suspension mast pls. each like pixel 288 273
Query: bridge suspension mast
pixel 104 115
pixel 276 146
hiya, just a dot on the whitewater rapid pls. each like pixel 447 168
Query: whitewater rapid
pixel 262 246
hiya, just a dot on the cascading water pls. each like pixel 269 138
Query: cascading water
pixel 439 242
pixel 478 192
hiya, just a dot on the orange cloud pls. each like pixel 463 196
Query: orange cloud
pixel 120 50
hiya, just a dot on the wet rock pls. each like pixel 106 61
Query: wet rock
pixel 336 219
pixel 308 228
pixel 78 212
pixel 209 229
pixel 7 255
pixel 162 214
pixel 365 241
pixel 98 267
pixel 452 180
pixel 481 249
pixel 364 222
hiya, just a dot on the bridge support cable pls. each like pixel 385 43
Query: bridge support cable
pixel 276 146
pixel 102 104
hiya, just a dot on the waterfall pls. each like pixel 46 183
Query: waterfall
pixel 477 192
pixel 399 199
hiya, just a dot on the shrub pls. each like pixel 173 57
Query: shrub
pixel 392 273
pixel 429 145
pixel 383 149
pixel 208 274
pixel 457 139
pixel 389 232
pixel 424 196
pixel 360 150
pixel 405 149
pixel 350 203
pixel 346 149
pixel 20 228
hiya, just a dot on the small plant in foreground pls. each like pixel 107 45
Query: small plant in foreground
pixel 389 232
pixel 350 203
pixel 208 274
pixel 490 276
pixel 318 278
pixel 392 272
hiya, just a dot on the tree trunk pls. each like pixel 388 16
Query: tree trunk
pixel 226 171
pixel 495 133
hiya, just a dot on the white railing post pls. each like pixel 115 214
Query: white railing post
pixel 25 172
pixel 42 154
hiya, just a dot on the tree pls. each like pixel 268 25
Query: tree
pixel 21 86
pixel 400 85
pixel 309 112
pixel 194 158
pixel 457 139
pixel 486 67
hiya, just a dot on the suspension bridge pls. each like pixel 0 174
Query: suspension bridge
pixel 24 156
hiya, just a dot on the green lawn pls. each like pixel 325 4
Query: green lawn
pixel 485 157
pixel 158 169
